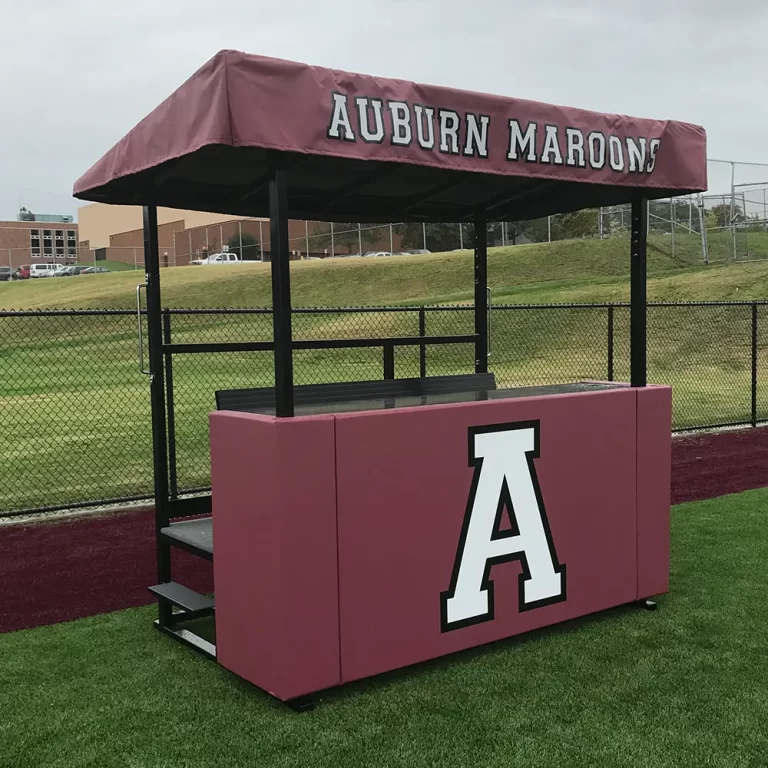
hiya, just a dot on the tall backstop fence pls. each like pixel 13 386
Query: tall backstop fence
pixel 75 426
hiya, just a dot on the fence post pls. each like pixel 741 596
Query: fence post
pixel 610 342
pixel 754 364
pixel 171 422
pixel 422 346
pixel 389 361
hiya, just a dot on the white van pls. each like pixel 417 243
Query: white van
pixel 43 270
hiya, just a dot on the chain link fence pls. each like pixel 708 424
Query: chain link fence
pixel 75 411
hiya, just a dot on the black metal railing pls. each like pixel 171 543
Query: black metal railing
pixel 75 415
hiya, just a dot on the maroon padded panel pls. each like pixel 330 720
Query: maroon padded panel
pixel 654 481
pixel 404 480
pixel 274 533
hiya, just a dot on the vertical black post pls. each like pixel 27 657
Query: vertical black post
pixel 422 346
pixel 610 342
pixel 389 361
pixel 174 489
pixel 157 399
pixel 638 295
pixel 754 364
pixel 481 296
pixel 281 291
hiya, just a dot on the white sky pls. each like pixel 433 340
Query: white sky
pixel 76 75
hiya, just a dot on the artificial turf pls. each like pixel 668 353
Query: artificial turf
pixel 685 686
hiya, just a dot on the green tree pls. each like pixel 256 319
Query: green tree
pixel 722 214
pixel 346 236
pixel 247 248
pixel 440 237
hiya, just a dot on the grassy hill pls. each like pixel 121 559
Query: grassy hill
pixel 566 271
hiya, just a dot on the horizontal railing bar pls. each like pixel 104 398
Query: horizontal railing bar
pixel 224 346
pixel 267 346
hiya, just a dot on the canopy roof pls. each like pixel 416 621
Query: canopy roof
pixel 361 148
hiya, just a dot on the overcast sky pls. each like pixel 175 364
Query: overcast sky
pixel 76 75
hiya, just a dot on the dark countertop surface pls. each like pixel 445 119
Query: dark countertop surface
pixel 377 404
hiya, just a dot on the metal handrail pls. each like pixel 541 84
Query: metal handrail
pixel 490 335
pixel 141 333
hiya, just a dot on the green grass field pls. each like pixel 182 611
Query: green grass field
pixel 685 686
pixel 572 270
pixel 75 407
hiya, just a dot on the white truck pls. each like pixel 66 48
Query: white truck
pixel 218 258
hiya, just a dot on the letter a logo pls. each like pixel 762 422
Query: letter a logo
pixel 504 480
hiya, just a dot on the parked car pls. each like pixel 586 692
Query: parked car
pixel 94 270
pixel 218 258
pixel 378 253
pixel 6 273
pixel 22 273
pixel 43 270
pixel 72 270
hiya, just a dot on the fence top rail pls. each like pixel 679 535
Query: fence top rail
pixel 66 312
pixel 355 310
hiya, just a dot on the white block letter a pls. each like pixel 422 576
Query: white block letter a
pixel 504 480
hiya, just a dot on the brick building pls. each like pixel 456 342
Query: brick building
pixel 33 242
pixel 115 233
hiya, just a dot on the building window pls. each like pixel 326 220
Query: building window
pixel 46 234
pixel 59 233
pixel 34 232
pixel 72 235
pixel 59 251
pixel 35 253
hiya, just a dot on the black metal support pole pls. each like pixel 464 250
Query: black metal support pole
pixel 610 342
pixel 389 361
pixel 481 296
pixel 422 347
pixel 168 357
pixel 754 364
pixel 638 296
pixel 281 291
pixel 157 398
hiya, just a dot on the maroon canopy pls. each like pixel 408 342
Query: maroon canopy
pixel 369 149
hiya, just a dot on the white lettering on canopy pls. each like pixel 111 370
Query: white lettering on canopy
pixel 469 134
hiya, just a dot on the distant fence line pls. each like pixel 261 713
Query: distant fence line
pixel 75 426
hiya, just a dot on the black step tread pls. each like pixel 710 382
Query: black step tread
pixel 182 596
pixel 197 534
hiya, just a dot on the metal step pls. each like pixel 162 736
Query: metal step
pixel 195 536
pixel 183 597
pixel 189 639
